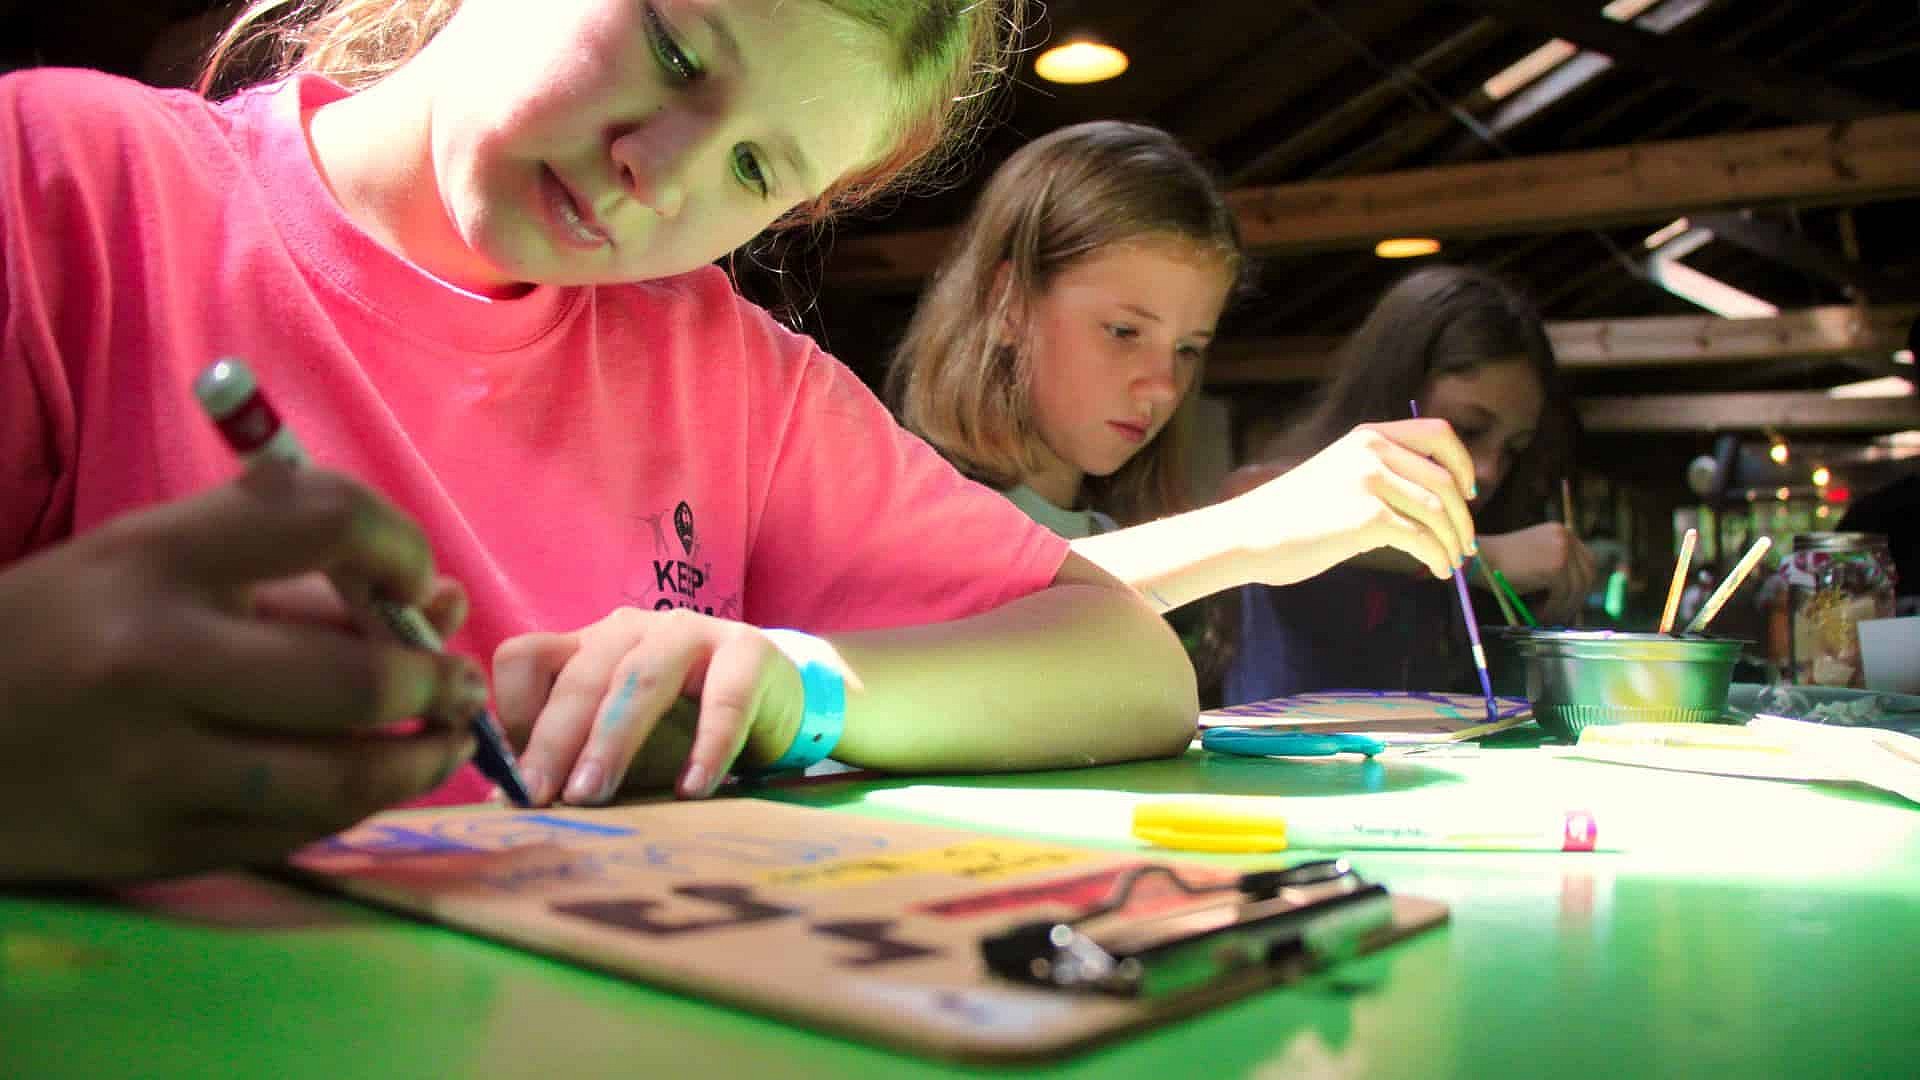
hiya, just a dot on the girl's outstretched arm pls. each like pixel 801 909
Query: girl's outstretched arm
pixel 1401 486
pixel 1079 673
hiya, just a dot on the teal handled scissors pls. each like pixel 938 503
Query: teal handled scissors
pixel 1263 742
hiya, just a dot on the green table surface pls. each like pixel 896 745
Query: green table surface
pixel 1754 928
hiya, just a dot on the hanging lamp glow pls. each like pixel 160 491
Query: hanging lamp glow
pixel 1080 61
pixel 1406 247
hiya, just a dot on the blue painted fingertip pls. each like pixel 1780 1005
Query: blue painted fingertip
pixel 614 716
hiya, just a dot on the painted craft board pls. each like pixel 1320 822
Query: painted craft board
pixel 1434 716
pixel 868 928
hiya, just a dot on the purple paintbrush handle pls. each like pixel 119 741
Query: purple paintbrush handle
pixel 1466 606
pixel 1473 623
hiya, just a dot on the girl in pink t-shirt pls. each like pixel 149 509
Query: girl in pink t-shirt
pixel 552 153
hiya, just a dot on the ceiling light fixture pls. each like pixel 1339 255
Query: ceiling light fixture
pixel 1887 386
pixel 1406 247
pixel 1080 61
pixel 1659 237
pixel 1665 269
pixel 1529 68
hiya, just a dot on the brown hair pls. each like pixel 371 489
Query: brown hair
pixel 949 55
pixel 1064 196
pixel 1441 320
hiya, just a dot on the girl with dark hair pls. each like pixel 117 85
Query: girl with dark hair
pixel 1473 353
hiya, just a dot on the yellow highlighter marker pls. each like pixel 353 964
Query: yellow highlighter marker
pixel 1198 826
pixel 1258 825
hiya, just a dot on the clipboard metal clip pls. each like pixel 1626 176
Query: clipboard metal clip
pixel 1268 923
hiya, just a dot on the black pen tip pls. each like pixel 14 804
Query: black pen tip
pixel 494 758
pixel 514 787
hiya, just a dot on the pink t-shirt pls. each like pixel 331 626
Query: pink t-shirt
pixel 568 451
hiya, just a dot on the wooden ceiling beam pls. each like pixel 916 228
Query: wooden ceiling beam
pixel 1243 95
pixel 1762 86
pixel 1811 165
pixel 1833 331
pixel 1583 68
pixel 1792 248
pixel 1784 411
pixel 1837 331
pixel 1356 111
pixel 1404 141
pixel 1606 107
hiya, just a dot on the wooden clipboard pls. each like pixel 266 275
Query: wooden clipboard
pixel 870 928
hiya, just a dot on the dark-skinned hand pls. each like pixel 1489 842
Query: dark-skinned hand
pixel 175 697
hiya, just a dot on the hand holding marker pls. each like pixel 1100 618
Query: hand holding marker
pixel 233 399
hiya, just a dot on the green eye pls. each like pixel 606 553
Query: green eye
pixel 680 65
pixel 747 170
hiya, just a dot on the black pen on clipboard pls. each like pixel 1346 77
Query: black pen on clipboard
pixel 232 398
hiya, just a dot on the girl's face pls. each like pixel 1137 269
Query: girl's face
pixel 1115 342
pixel 1495 409
pixel 602 141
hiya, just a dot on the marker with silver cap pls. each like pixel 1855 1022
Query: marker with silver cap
pixel 234 401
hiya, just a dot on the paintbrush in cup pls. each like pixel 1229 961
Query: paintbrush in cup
pixel 1679 580
pixel 1506 609
pixel 1513 598
pixel 1725 592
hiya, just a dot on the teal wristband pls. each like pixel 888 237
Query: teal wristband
pixel 823 714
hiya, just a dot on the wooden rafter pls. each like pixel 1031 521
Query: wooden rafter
pixel 1359 110
pixel 1791 248
pixel 1612 344
pixel 1534 99
pixel 1762 86
pixel 1241 97
pixel 1810 165
pixel 1833 331
pixel 1786 411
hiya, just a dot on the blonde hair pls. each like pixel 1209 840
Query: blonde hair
pixel 958 384
pixel 948 58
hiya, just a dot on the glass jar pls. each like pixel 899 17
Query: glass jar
pixel 1832 582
